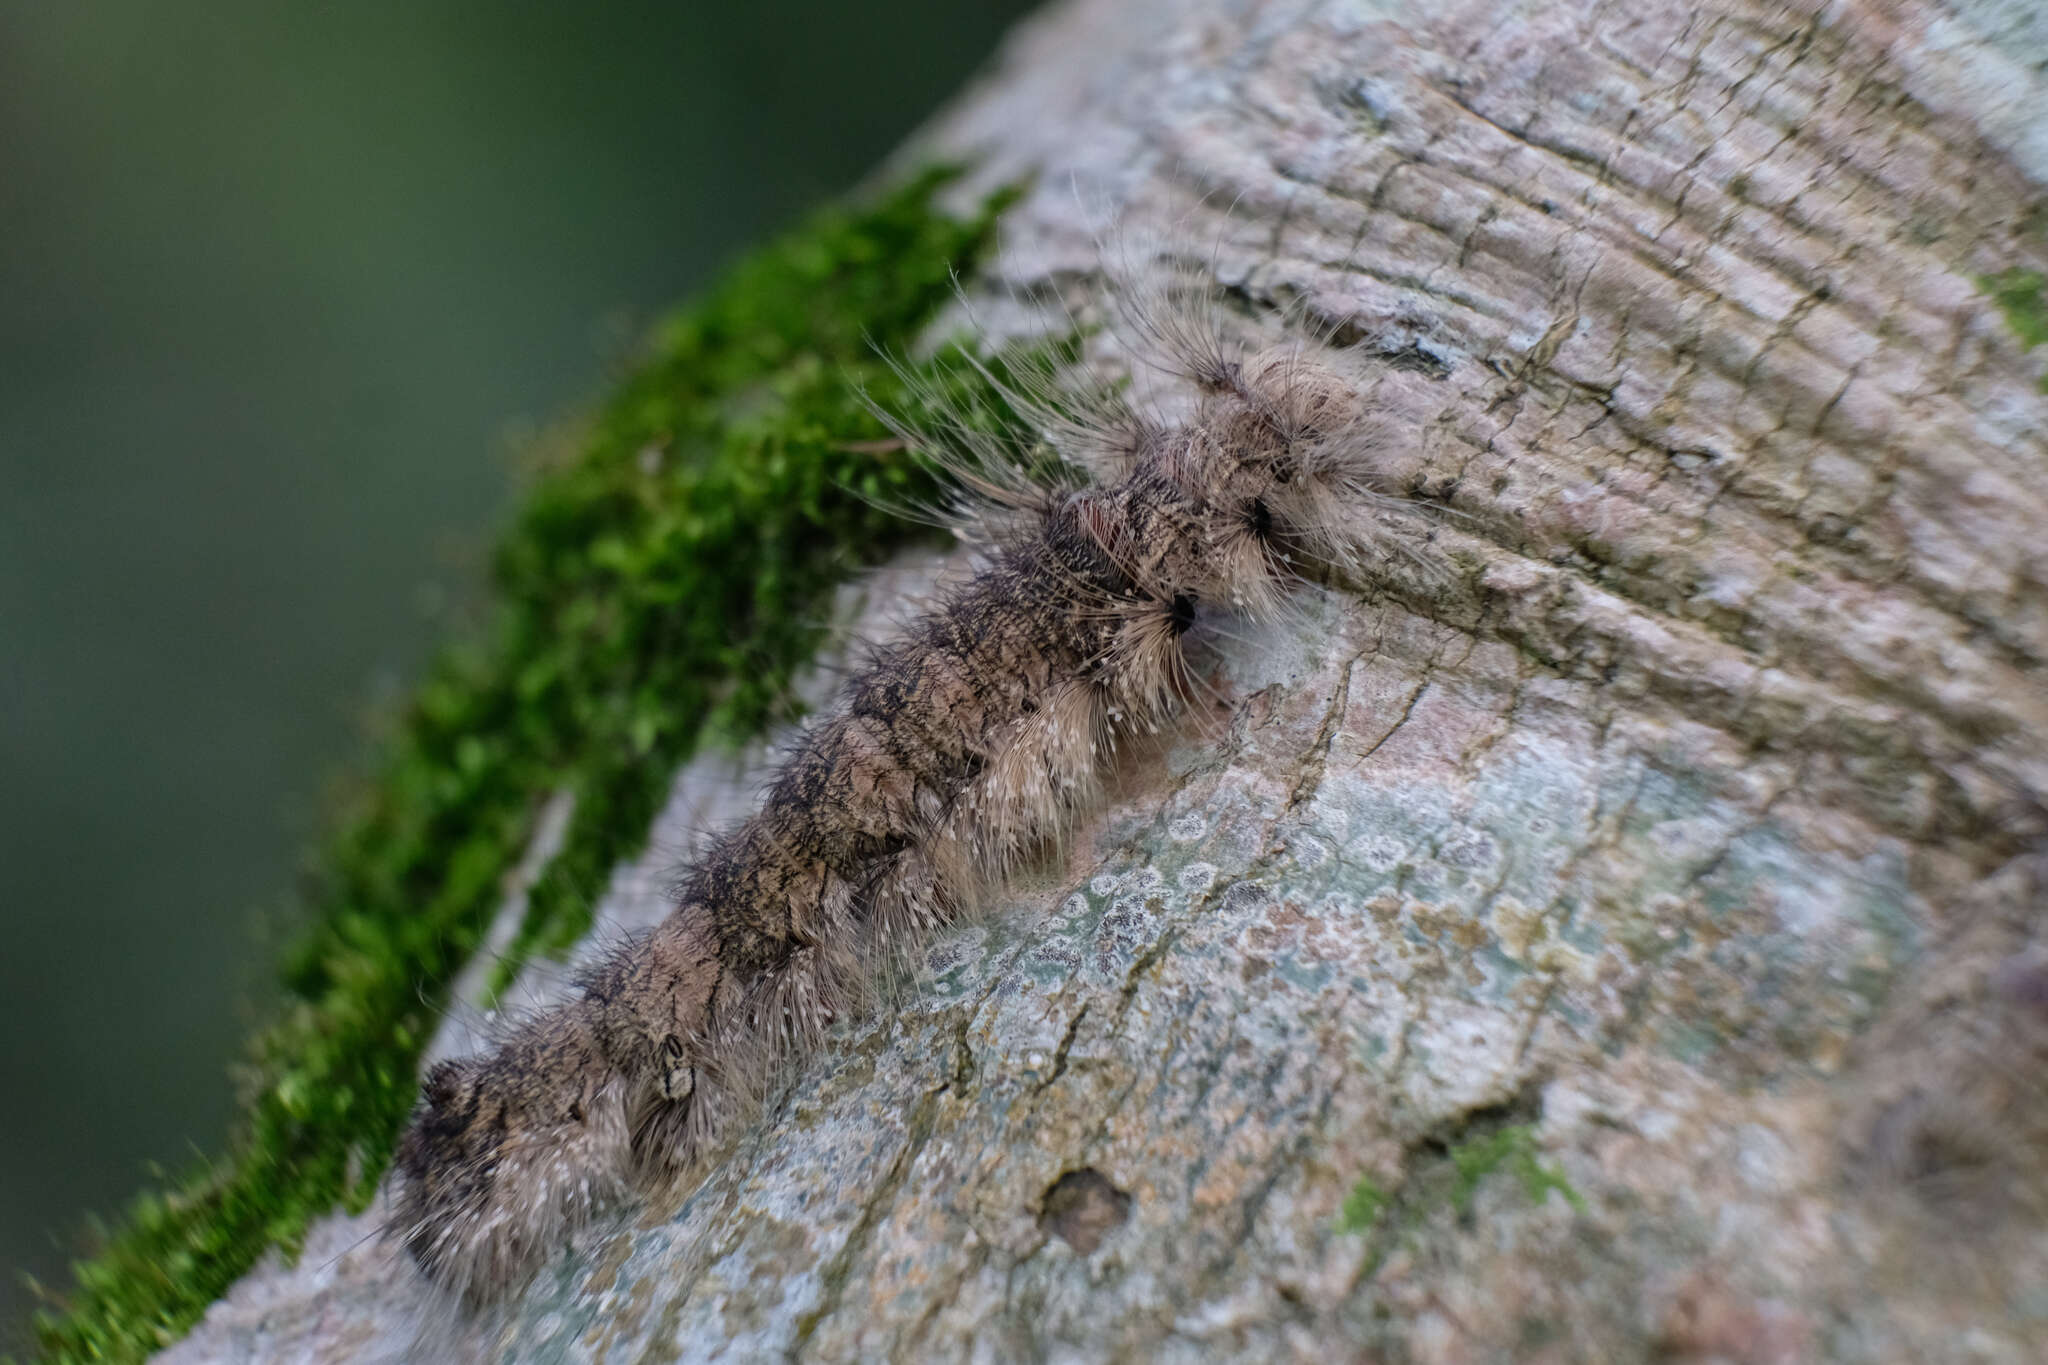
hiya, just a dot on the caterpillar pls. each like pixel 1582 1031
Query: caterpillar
pixel 948 756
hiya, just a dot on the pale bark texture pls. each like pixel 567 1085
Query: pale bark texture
pixel 1626 945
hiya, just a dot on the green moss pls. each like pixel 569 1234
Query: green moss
pixel 1511 1149
pixel 1362 1207
pixel 2022 295
pixel 657 592
pixel 1441 1173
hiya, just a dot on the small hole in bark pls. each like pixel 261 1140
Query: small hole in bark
pixel 1082 1208
pixel 1949 1150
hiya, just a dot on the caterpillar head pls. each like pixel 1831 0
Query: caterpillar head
pixel 1280 467
pixel 508 1154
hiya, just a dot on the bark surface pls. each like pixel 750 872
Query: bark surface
pixel 1631 948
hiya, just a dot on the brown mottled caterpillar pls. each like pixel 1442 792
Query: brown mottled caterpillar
pixel 946 758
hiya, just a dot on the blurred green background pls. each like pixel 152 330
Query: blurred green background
pixel 277 280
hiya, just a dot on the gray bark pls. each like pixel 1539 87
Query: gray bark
pixel 1628 948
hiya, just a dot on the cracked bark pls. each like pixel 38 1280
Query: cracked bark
pixel 1691 829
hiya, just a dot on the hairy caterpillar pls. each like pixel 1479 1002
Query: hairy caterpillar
pixel 948 757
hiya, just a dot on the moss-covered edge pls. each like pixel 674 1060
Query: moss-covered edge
pixel 658 589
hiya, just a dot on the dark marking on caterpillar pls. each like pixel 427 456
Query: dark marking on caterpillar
pixel 948 758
